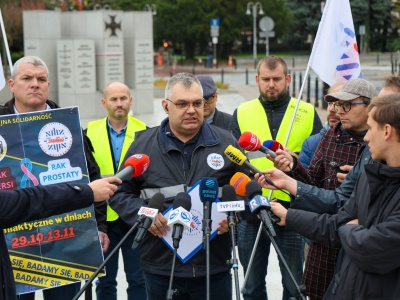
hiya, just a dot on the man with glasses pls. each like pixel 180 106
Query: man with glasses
pixel 211 114
pixel 182 150
pixel 341 145
pixel 311 143
pixel 367 226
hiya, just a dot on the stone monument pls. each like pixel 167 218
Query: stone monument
pixel 85 50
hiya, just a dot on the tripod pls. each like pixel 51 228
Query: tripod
pixel 299 289
pixel 233 263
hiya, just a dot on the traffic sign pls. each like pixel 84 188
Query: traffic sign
pixel 266 23
pixel 214 22
pixel 214 27
pixel 269 34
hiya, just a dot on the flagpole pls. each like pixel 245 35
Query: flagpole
pixel 297 105
pixel 3 32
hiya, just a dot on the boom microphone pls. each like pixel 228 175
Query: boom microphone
pixel 240 159
pixel 250 142
pixel 180 217
pixel 134 166
pixel 146 218
pixel 273 145
pixel 259 205
pixel 239 181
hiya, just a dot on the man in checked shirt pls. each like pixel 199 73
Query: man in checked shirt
pixel 337 151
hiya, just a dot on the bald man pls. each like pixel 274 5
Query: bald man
pixel 111 138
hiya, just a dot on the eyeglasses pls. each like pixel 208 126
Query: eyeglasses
pixel 210 100
pixel 182 104
pixel 346 106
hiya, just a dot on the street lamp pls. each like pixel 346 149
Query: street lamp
pixel 151 7
pixel 253 7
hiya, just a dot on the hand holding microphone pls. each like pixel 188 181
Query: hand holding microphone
pixel 134 166
pixel 284 160
pixel 240 159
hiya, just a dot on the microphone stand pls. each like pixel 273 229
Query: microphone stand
pixel 300 289
pixel 170 291
pixel 233 263
pixel 90 280
pixel 206 245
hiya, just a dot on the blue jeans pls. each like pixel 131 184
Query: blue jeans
pixel 65 292
pixel 289 243
pixel 190 288
pixel 106 286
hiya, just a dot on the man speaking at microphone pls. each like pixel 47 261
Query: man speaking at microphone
pixel 182 150
pixel 269 118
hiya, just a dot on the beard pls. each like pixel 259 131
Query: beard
pixel 274 97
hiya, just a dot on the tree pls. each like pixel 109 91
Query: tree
pixel 306 18
pixel 186 23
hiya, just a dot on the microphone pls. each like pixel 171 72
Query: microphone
pixel 229 204
pixel 208 194
pixel 134 166
pixel 239 181
pixel 180 217
pixel 250 142
pixel 240 159
pixel 273 145
pixel 259 205
pixel 146 217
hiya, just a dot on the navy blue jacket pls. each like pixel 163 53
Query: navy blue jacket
pixel 166 174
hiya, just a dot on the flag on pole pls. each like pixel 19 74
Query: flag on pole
pixel 334 56
pixel 2 78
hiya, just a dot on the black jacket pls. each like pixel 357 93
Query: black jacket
pixel 221 119
pixel 166 174
pixel 369 263
pixel 93 169
pixel 30 204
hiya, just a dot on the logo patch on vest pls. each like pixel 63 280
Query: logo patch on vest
pixel 215 161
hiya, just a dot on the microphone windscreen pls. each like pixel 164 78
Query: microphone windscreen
pixel 139 162
pixel 182 200
pixel 228 193
pixel 253 189
pixel 249 141
pixel 157 201
pixel 235 155
pixel 272 145
pixel 239 181
pixel 208 189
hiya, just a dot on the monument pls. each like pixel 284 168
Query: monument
pixel 85 50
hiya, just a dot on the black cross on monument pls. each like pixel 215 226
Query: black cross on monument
pixel 113 26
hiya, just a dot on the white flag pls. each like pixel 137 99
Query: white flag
pixel 2 79
pixel 334 56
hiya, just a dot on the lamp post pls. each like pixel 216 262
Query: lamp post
pixel 151 7
pixel 253 12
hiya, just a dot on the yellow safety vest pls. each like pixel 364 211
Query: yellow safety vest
pixel 98 135
pixel 251 117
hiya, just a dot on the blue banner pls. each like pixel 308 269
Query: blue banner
pixel 46 148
